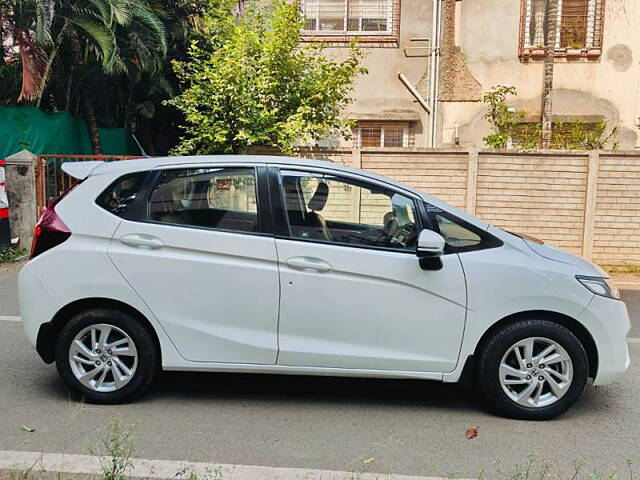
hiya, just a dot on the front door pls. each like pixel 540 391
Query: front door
pixel 202 262
pixel 353 294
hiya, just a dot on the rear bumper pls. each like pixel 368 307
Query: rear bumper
pixel 608 322
pixel 37 306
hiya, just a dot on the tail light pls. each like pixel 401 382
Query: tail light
pixel 50 230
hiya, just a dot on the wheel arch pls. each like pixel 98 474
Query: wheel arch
pixel 49 332
pixel 571 324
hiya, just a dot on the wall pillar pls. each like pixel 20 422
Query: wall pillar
pixel 356 162
pixel 472 181
pixel 590 205
pixel 21 191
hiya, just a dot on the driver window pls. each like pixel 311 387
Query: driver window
pixel 339 210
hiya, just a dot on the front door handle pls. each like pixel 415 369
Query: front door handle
pixel 140 240
pixel 308 263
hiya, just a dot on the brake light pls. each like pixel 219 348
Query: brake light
pixel 50 231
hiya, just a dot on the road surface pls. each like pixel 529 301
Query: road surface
pixel 384 426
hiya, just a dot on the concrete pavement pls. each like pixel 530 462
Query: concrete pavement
pixel 401 427
pixel 8 292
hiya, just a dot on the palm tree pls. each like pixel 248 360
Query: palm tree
pixel 551 19
pixel 99 37
pixel 24 29
pixel 114 34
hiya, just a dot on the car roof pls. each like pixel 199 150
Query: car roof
pixel 148 163
pixel 136 165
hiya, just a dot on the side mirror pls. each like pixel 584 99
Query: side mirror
pixel 430 249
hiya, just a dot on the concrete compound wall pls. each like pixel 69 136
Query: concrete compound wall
pixel 585 202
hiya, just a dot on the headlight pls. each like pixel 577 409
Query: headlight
pixel 600 286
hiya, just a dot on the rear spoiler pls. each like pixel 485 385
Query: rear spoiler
pixel 80 170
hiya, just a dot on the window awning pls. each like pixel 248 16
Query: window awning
pixel 388 116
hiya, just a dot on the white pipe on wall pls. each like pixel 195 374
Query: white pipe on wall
pixel 414 92
pixel 435 70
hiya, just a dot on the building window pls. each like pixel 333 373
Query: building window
pixel 384 134
pixel 578 29
pixel 363 18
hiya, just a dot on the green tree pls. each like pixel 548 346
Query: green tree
pixel 501 117
pixel 248 81
pixel 105 59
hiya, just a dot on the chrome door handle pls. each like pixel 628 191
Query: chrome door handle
pixel 308 263
pixel 140 240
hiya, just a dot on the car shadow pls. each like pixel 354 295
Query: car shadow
pixel 200 386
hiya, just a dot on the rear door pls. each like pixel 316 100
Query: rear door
pixel 202 256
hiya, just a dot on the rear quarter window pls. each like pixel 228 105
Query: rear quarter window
pixel 118 197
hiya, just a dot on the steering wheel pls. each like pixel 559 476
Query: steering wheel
pixel 396 235
pixel 403 236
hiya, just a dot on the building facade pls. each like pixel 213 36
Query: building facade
pixel 450 52
pixel 397 38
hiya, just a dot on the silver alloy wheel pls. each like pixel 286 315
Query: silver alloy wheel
pixel 103 357
pixel 536 372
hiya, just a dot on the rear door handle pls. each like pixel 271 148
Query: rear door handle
pixel 141 240
pixel 308 263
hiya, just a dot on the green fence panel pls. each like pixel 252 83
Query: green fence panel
pixel 29 128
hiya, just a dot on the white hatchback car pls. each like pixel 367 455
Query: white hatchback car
pixel 282 265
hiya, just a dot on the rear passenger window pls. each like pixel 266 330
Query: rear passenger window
pixel 220 198
pixel 121 194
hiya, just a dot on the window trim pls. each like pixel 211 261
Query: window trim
pixel 281 229
pixel 594 31
pixel 390 36
pixel 265 218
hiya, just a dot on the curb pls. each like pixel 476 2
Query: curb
pixel 177 470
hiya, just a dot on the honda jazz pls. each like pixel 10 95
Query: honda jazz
pixel 287 266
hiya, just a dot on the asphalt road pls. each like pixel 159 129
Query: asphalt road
pixel 325 423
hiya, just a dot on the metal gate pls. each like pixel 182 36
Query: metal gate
pixel 51 181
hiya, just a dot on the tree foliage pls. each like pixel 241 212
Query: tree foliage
pixel 509 128
pixel 108 60
pixel 500 116
pixel 248 81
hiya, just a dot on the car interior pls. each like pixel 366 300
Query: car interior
pixel 191 200
pixel 308 220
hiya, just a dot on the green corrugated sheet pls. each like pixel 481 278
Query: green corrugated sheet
pixel 56 133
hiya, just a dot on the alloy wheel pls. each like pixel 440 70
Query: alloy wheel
pixel 103 357
pixel 536 372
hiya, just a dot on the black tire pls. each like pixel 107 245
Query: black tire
pixel 148 364
pixel 496 346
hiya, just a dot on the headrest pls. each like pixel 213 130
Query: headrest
pixel 319 199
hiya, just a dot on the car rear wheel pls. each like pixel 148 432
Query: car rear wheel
pixel 532 370
pixel 107 356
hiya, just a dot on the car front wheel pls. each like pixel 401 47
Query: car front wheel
pixel 107 356
pixel 532 370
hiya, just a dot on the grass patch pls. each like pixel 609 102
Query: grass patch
pixel 12 254
pixel 115 452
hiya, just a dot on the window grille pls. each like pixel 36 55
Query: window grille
pixel 579 24
pixel 348 17
pixel 384 134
